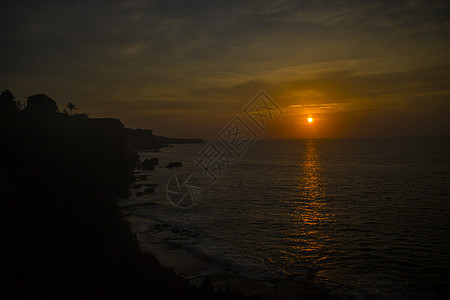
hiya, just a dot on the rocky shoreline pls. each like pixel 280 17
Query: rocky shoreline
pixel 166 241
pixel 152 236
pixel 63 234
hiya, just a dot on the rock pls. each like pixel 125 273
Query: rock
pixel 149 190
pixel 145 192
pixel 207 286
pixel 133 205
pixel 136 186
pixel 149 164
pixel 140 177
pixel 175 164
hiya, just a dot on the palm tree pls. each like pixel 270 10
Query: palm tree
pixel 70 106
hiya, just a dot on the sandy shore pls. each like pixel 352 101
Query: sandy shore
pixel 150 235
pixel 195 269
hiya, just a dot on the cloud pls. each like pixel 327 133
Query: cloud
pixel 149 57
pixel 319 108
pixel 334 92
pixel 393 18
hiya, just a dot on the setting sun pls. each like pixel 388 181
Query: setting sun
pixel 310 120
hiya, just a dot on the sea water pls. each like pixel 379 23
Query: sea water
pixel 366 217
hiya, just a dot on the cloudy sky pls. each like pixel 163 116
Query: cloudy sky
pixel 186 68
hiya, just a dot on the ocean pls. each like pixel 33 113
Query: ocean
pixel 367 218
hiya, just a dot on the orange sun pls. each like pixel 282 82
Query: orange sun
pixel 310 120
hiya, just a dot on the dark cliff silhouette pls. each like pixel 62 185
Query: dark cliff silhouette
pixel 143 139
pixel 40 104
pixel 8 104
pixel 62 234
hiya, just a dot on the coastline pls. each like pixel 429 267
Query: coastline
pixel 64 235
pixel 173 245
pixel 196 270
pixel 152 236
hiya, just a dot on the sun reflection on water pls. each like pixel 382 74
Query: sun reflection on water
pixel 308 237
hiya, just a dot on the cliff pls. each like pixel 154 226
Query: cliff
pixel 143 139
pixel 61 232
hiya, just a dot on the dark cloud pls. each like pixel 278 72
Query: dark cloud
pixel 215 53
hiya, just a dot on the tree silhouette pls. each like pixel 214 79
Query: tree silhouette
pixel 70 106
pixel 7 101
pixel 41 104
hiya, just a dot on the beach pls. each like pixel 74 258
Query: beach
pixel 150 235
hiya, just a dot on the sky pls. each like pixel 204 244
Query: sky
pixel 186 68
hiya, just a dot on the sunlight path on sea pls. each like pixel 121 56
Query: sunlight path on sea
pixel 308 236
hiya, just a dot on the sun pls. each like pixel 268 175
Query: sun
pixel 310 120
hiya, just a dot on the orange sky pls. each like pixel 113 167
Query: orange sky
pixel 186 68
